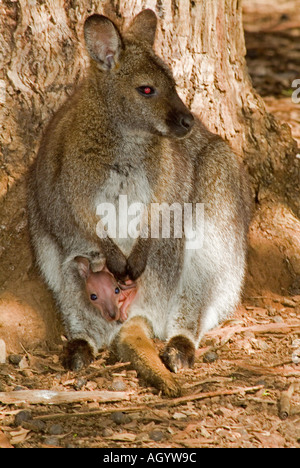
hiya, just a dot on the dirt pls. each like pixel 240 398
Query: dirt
pixel 233 396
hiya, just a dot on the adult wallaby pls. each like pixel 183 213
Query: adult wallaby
pixel 125 131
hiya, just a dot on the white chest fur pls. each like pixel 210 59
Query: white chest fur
pixel 120 203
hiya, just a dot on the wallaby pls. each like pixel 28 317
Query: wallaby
pixel 125 131
pixel 111 298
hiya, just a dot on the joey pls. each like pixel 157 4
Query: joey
pixel 111 298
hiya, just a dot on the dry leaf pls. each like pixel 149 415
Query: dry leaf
pixel 196 443
pixel 4 441
pixel 23 364
pixel 123 437
pixel 270 440
pixel 19 436
pixel 178 416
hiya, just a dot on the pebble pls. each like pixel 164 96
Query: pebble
pixel 35 425
pixel 51 441
pixel 179 416
pixel 2 351
pixel 118 385
pixel 156 435
pixel 18 388
pixel 79 383
pixel 56 429
pixel 24 419
pixel 296 356
pixel 27 373
pixel 120 418
pixel 107 432
pixel 3 387
pixel 261 382
pixel 278 319
pixel 15 359
pixel 210 356
pixel 22 416
pixel 288 303
pixel 272 311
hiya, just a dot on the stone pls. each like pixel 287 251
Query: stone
pixel 2 351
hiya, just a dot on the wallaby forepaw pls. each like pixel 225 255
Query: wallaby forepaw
pixel 136 264
pixel 117 265
pixel 78 354
pixel 179 353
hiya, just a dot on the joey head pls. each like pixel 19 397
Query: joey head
pixel 111 298
pixel 125 131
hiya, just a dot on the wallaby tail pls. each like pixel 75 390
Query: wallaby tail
pixel 134 344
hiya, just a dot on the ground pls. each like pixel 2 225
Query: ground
pixel 243 390
pixel 231 398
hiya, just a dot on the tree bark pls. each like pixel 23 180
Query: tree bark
pixel 43 56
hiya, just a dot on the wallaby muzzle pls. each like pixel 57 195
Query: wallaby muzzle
pixel 180 123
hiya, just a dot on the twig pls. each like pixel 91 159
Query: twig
pixel 285 401
pixel 50 397
pixel 260 370
pixel 209 380
pixel 99 372
pixel 202 396
pixel 122 409
pixel 163 402
pixel 24 349
pixel 261 328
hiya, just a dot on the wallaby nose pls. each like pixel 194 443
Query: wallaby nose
pixel 187 121
pixel 113 312
pixel 110 311
pixel 180 121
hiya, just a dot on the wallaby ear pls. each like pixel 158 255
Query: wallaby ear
pixel 103 41
pixel 143 26
pixel 83 267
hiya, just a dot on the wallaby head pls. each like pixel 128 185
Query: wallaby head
pixel 138 88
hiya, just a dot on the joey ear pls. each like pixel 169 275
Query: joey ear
pixel 83 267
pixel 143 26
pixel 103 41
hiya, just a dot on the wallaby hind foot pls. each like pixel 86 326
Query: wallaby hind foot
pixel 135 345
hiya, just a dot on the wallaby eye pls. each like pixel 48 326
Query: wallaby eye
pixel 117 290
pixel 93 297
pixel 146 90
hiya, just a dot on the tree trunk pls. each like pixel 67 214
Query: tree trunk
pixel 42 57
